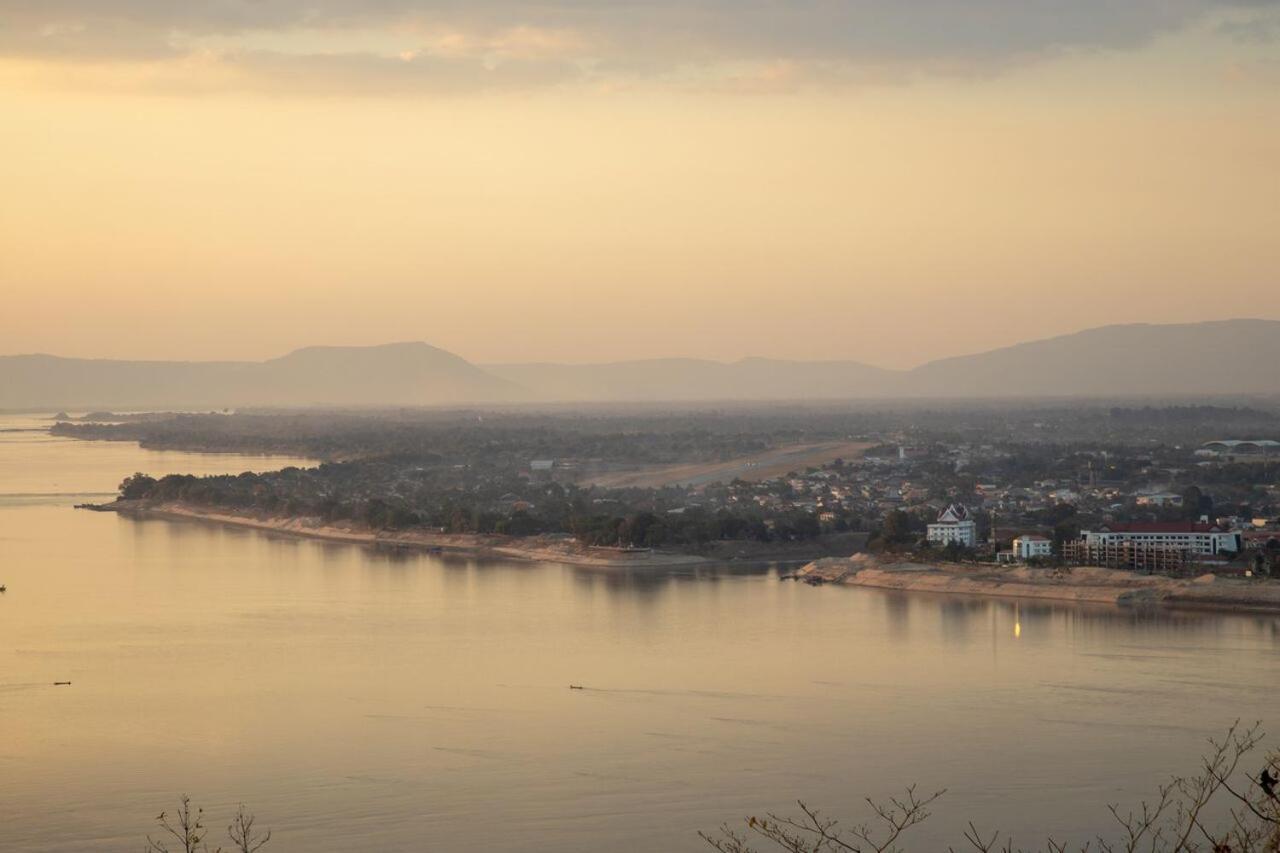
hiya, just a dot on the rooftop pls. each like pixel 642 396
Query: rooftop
pixel 1159 527
pixel 1234 443
pixel 953 514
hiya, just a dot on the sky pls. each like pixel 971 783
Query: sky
pixel 594 180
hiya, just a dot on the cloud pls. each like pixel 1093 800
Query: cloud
pixel 364 73
pixel 449 45
pixel 1256 27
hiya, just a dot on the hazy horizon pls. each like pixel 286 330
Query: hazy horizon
pixel 1181 360
pixel 597 183
pixel 907 365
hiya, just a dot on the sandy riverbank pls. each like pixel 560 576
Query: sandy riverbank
pixel 550 549
pixel 1079 584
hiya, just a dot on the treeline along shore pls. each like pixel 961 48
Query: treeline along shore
pixel 549 547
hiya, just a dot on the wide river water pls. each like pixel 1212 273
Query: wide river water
pixel 360 700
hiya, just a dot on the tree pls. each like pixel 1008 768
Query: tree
pixel 814 833
pixel 186 829
pixel 242 834
pixel 1194 503
pixel 896 528
pixel 1065 531
pixel 137 487
pixel 1177 821
pixel 185 832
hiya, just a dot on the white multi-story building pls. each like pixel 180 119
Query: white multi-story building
pixel 1032 545
pixel 954 525
pixel 1196 537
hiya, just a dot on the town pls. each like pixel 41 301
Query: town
pixel 1156 489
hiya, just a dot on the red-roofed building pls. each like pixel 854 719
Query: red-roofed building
pixel 1196 537
pixel 1160 527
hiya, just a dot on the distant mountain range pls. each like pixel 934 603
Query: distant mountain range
pixel 409 374
pixel 1222 358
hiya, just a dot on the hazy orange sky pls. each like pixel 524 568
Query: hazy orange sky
pixel 576 181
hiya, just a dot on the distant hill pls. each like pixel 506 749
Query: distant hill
pixel 403 374
pixel 400 374
pixel 1222 357
pixel 1213 358
pixel 1226 357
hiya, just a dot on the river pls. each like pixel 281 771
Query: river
pixel 366 700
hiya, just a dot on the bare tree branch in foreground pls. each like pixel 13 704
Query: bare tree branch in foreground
pixel 186 829
pixel 242 834
pixel 1174 822
pixel 185 832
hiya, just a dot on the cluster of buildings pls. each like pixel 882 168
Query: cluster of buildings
pixel 1109 542
pixel 1163 546
pixel 1137 519
pixel 955 526
pixel 1112 507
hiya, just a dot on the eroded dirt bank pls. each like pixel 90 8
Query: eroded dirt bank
pixel 1080 584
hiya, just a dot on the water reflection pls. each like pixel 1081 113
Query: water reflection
pixel 649 584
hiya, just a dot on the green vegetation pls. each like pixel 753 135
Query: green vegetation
pixel 405 493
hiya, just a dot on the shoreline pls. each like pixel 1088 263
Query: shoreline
pixel 1079 585
pixel 543 548
pixel 538 549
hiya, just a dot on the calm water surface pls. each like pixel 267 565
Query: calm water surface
pixel 361 700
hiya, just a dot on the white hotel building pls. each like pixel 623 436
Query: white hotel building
pixel 1197 538
pixel 954 525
